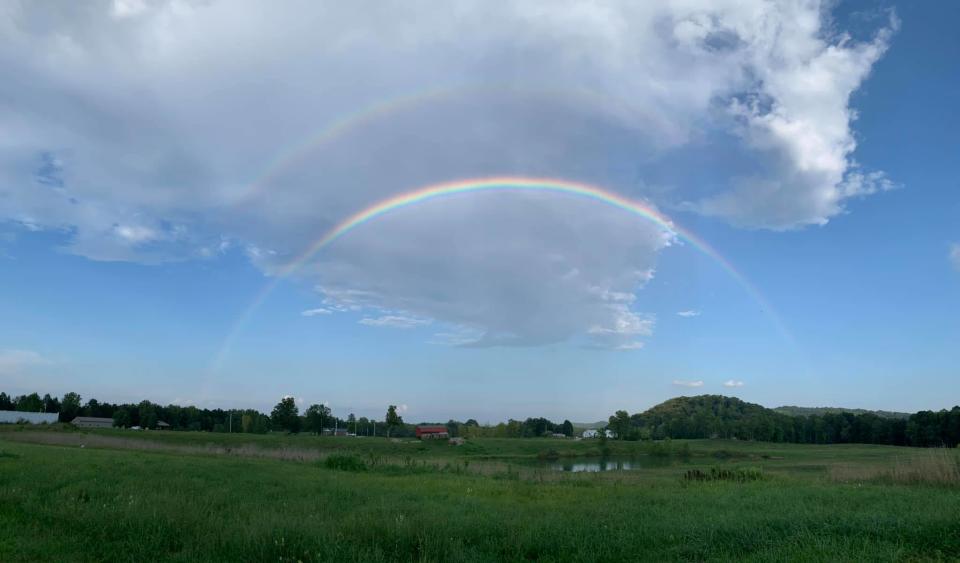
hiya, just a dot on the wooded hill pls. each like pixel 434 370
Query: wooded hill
pixel 716 416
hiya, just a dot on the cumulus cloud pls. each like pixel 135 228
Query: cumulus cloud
pixel 315 312
pixel 686 383
pixel 732 383
pixel 954 255
pixel 799 117
pixel 154 131
pixel 689 313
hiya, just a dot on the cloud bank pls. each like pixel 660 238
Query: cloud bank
pixel 163 131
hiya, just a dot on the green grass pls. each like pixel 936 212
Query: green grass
pixel 384 501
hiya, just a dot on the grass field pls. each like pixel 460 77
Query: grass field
pixel 213 497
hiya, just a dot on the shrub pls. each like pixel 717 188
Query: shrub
pixel 736 475
pixel 551 455
pixel 345 463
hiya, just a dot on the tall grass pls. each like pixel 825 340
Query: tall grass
pixel 70 504
pixel 935 467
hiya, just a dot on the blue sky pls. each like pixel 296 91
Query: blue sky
pixel 814 147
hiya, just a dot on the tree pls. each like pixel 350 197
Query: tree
pixel 121 418
pixel 51 404
pixel 148 414
pixel 29 403
pixel 286 415
pixel 70 407
pixel 6 404
pixel 352 421
pixel 316 415
pixel 392 419
pixel 567 428
pixel 536 427
pixel 620 424
pixel 92 408
pixel 254 422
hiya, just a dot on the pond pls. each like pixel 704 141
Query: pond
pixel 595 465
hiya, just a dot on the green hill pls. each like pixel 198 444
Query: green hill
pixel 706 416
pixel 716 416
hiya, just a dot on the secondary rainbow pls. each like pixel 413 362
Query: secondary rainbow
pixel 339 127
pixel 501 184
pixel 374 112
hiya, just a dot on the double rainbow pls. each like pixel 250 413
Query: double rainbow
pixel 499 184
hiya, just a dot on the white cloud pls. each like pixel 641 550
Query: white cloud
pixel 457 336
pixel 315 312
pixel 732 383
pixel 135 234
pixel 686 383
pixel 14 361
pixel 955 255
pixel 689 313
pixel 800 117
pixel 395 321
pixel 121 134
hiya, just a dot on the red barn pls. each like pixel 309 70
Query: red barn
pixel 431 432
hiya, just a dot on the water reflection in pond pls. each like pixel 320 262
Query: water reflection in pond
pixel 595 465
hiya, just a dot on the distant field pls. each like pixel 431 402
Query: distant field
pixel 215 497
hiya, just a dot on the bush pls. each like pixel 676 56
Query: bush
pixel 345 463
pixel 551 455
pixel 736 475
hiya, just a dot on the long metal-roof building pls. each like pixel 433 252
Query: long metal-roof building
pixel 92 422
pixel 14 417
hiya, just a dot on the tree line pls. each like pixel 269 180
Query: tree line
pixel 286 416
pixel 146 414
pixel 528 428
pixel 706 416
pixel 716 416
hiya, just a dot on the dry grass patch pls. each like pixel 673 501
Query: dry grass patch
pixel 935 466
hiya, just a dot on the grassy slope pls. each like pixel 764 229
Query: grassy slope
pixel 67 503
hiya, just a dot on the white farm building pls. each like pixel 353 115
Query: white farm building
pixel 15 417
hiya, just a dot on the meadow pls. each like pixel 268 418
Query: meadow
pixel 125 496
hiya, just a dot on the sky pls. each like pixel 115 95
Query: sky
pixel 766 204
